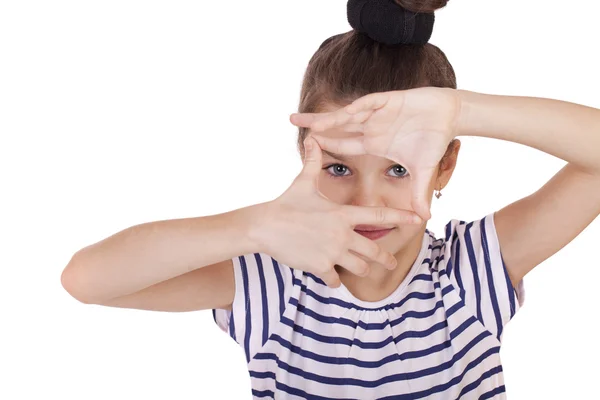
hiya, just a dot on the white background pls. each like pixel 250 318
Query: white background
pixel 115 113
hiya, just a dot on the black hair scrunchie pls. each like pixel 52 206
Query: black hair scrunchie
pixel 387 22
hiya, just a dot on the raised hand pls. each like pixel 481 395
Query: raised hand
pixel 410 127
pixel 307 231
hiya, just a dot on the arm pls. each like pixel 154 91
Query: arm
pixel 537 226
pixel 172 265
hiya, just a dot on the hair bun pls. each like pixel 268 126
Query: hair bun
pixel 387 22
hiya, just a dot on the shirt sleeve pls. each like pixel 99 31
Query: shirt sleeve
pixel 262 290
pixel 477 270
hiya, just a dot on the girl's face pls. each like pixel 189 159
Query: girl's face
pixel 372 181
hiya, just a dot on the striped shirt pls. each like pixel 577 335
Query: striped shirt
pixel 437 336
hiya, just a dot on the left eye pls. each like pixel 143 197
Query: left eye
pixel 399 171
pixel 337 170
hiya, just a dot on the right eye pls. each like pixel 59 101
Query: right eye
pixel 337 170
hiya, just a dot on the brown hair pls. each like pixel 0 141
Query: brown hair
pixel 351 65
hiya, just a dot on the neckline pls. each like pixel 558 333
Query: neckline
pixel 374 305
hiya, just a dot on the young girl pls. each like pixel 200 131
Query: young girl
pixel 334 290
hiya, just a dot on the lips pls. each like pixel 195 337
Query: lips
pixel 373 232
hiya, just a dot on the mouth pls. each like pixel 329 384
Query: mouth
pixel 372 232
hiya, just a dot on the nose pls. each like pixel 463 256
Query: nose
pixel 367 194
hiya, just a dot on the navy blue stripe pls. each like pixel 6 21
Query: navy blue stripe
pixel 326 359
pixel 447 385
pixel 496 370
pixel 350 306
pixel 371 345
pixel 373 326
pixel 462 327
pixel 263 295
pixel 421 334
pixel 448 231
pixel 280 288
pixel 418 314
pixel 490 276
pixel 352 361
pixel 447 243
pixel 315 278
pixel 262 374
pixel 263 393
pixel 422 277
pixel 232 326
pixel 409 355
pixel 449 266
pixel 435 247
pixel 492 393
pixel 474 269
pixel 367 364
pixel 248 326
pixel 363 364
pixel 318 337
pixel 381 381
pixel 450 311
pixel 457 272
pixel 510 288
pixel 446 290
pixel 301 393
pixel 380 325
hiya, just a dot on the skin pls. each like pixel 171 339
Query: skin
pixel 415 126
pixel 373 181
pixel 171 266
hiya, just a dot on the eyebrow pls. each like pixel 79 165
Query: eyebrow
pixel 334 155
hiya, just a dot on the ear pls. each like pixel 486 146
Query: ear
pixel 447 166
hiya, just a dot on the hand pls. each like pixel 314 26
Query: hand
pixel 307 231
pixel 410 127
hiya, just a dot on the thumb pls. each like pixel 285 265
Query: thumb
pixel 420 202
pixel 312 159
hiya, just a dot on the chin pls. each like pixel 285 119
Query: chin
pixel 399 240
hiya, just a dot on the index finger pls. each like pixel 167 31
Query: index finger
pixel 351 146
pixel 319 122
pixel 389 217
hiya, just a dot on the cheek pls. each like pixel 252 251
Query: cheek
pixel 398 195
pixel 337 192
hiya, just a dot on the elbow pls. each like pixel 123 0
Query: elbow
pixel 71 281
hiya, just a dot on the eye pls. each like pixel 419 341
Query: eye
pixel 337 170
pixel 398 171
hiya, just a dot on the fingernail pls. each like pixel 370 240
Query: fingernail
pixel 417 219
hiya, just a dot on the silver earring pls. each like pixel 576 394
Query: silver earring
pixel 439 193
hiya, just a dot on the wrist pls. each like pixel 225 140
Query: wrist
pixel 252 222
pixel 467 122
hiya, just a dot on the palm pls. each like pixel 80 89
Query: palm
pixel 412 128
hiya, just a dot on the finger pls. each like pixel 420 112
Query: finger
pixel 319 122
pixel 346 146
pixel 312 159
pixel 385 216
pixel 304 120
pixel 370 102
pixel 341 119
pixel 421 201
pixel 331 278
pixel 371 250
pixel 354 264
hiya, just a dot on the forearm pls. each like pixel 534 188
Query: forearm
pixel 149 253
pixel 565 130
